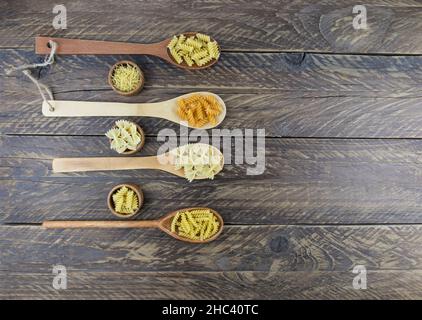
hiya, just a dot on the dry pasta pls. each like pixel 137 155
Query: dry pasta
pixel 125 201
pixel 124 136
pixel 196 50
pixel 126 77
pixel 198 161
pixel 199 110
pixel 195 224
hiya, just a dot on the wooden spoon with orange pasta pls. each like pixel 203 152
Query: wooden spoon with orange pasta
pixel 165 109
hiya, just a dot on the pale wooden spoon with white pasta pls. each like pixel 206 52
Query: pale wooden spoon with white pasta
pixel 130 163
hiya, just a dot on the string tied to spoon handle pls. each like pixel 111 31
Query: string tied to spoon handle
pixel 40 86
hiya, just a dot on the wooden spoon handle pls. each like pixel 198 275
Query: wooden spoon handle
pixel 100 224
pixel 104 164
pixel 62 108
pixel 76 46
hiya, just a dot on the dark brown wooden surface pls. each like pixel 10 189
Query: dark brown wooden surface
pixel 241 248
pixel 322 26
pixel 342 185
pixel 264 262
pixel 117 285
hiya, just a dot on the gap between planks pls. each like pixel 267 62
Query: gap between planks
pixel 244 225
pixel 233 136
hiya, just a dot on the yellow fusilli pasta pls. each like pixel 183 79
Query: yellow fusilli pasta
pixel 125 201
pixel 203 37
pixel 213 49
pixel 172 42
pixel 196 50
pixel 197 224
pixel 197 44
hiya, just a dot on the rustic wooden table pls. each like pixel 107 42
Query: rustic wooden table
pixel 343 182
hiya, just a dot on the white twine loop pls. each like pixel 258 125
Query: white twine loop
pixel 47 61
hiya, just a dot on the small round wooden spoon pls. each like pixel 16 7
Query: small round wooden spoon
pixel 163 224
pixel 76 46
pixel 164 109
pixel 119 163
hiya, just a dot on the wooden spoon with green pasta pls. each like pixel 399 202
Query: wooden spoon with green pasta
pixel 76 46
pixel 163 224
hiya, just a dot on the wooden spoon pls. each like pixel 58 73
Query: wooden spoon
pixel 119 163
pixel 164 109
pixel 76 46
pixel 164 224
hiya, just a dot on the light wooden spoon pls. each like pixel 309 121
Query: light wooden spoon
pixel 76 46
pixel 163 224
pixel 164 109
pixel 120 163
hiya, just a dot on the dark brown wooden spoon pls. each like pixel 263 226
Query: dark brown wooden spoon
pixel 164 224
pixel 76 46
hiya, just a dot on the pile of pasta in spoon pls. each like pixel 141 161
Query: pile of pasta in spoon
pixel 198 160
pixel 199 109
pixel 195 224
pixel 194 50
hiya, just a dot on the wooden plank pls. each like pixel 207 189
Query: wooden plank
pixel 212 285
pixel 239 248
pixel 289 95
pixel 309 181
pixel 321 26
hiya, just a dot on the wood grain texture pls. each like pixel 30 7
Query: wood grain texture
pixel 326 202
pixel 212 285
pixel 261 262
pixel 309 181
pixel 239 248
pixel 289 95
pixel 321 26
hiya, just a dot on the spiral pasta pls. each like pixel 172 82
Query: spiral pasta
pixel 125 201
pixel 172 42
pixel 195 224
pixel 198 110
pixel 203 37
pixel 213 49
pixel 196 50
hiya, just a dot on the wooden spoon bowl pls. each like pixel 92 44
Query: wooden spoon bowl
pixel 165 225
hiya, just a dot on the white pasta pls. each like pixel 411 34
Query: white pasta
pixel 198 161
